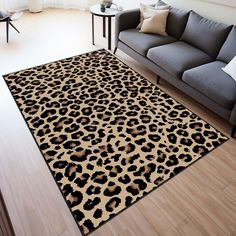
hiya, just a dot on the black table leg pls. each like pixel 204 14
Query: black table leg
pixel 7 29
pixel 104 27
pixel 14 27
pixel 93 29
pixel 109 33
pixel 233 131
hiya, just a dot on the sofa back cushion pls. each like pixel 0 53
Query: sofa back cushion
pixel 228 50
pixel 176 21
pixel 205 34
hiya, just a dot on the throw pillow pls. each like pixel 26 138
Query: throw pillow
pixel 205 34
pixel 149 11
pixel 230 69
pixel 155 24
pixel 176 21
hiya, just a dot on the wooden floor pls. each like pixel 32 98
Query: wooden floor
pixel 199 201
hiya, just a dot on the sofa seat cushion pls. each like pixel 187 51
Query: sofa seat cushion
pixel 177 57
pixel 141 42
pixel 213 82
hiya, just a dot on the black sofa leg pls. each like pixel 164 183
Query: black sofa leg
pixel 158 79
pixel 233 131
pixel 115 50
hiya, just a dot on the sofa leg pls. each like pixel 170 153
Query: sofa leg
pixel 158 79
pixel 115 50
pixel 233 131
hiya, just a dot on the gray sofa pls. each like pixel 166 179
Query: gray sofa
pixel 190 57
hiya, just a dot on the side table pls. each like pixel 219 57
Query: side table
pixel 109 13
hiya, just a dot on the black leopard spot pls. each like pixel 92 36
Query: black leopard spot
pixel 90 204
pixel 71 171
pixel 90 128
pixel 67 189
pixel 124 179
pixel 176 170
pixel 97 214
pixel 78 215
pixel 71 144
pixel 80 155
pixel 87 111
pixel 112 190
pixel 200 149
pixel 99 177
pixel 60 164
pixel 173 114
pixel 198 138
pixel 185 157
pixel 154 137
pixel 58 140
pixel 195 125
pixel 210 134
pixel 93 190
pixel 58 176
pixel 148 147
pixel 140 141
pixel 48 113
pixel 115 170
pixel 186 141
pixel 89 225
pixel 75 198
pixel 146 171
pixel 113 204
pixel 82 180
pixel 128 201
pixel 172 161
pixel 132 168
pixel 182 132
pixel 153 128
pixel 136 186
pixel 161 156
pixel 172 138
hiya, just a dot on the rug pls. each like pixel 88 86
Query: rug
pixel 108 135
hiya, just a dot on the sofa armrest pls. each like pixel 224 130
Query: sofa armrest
pixel 126 20
pixel 233 116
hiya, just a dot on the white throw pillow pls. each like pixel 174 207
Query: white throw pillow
pixel 230 69
pixel 149 11
pixel 155 24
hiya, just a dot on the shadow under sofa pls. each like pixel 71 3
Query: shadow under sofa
pixel 191 57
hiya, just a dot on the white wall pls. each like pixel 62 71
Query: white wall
pixel 221 13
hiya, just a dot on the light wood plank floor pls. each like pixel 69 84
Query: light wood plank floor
pixel 199 201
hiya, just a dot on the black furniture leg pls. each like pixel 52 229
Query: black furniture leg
pixel 115 50
pixel 7 29
pixel 158 79
pixel 104 27
pixel 93 29
pixel 233 131
pixel 109 33
pixel 14 27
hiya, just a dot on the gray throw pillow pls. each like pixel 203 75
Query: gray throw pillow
pixel 228 50
pixel 205 34
pixel 176 21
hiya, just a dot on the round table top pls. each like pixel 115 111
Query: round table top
pixel 96 10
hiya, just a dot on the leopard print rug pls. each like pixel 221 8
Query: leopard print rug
pixel 108 135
